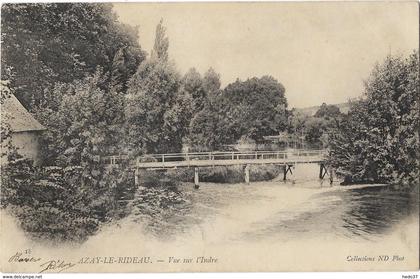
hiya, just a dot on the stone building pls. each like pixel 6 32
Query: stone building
pixel 25 129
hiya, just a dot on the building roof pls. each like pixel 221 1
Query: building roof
pixel 19 119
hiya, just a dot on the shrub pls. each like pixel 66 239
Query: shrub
pixel 154 179
pixel 56 203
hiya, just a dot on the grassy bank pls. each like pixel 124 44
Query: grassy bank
pixel 226 174
pixel 221 174
pixel 348 180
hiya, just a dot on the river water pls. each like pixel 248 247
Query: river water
pixel 301 207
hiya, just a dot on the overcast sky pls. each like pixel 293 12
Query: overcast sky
pixel 320 51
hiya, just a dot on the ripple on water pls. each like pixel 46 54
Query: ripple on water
pixel 276 211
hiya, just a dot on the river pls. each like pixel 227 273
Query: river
pixel 285 223
pixel 301 207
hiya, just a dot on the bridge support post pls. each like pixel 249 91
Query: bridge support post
pixel 286 169
pixel 196 179
pixel 322 171
pixel 284 172
pixel 136 177
pixel 331 175
pixel 247 174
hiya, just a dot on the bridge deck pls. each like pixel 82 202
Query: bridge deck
pixel 207 159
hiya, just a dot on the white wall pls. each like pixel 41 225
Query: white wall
pixel 27 144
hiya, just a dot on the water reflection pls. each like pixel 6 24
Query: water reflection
pixel 271 211
pixel 375 210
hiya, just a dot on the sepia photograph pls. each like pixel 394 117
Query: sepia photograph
pixel 209 137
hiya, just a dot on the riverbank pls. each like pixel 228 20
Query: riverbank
pixel 172 178
pixel 227 174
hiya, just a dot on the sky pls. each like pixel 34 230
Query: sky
pixel 319 51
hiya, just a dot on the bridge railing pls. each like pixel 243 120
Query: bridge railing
pixel 115 159
pixel 218 155
pixel 232 155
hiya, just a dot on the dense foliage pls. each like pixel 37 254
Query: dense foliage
pixel 157 109
pixel 328 111
pixel 42 44
pixel 59 203
pixel 314 130
pixel 69 199
pixel 249 109
pixel 80 102
pixel 379 139
pixel 83 122
pixel 154 109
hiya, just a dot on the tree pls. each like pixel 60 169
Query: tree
pixel 152 119
pixel 156 104
pixel 379 141
pixel 256 106
pixel 204 123
pixel 83 124
pixel 314 129
pixel 211 83
pixel 328 111
pixel 250 109
pixel 161 46
pixel 124 65
pixel 193 84
pixel 60 42
pixel 209 128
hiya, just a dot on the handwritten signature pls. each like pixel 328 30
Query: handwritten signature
pixel 21 257
pixel 56 265
pixel 51 265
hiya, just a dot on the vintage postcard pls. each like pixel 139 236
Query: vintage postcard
pixel 209 137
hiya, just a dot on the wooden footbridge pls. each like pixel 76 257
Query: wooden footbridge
pixel 287 159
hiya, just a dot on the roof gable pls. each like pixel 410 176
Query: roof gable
pixel 19 119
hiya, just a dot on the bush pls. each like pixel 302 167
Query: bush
pixel 154 179
pixel 56 203
pixel 264 172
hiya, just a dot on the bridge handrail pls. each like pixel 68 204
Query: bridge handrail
pixel 217 155
pixel 317 151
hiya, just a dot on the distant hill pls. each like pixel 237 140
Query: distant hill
pixel 310 111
